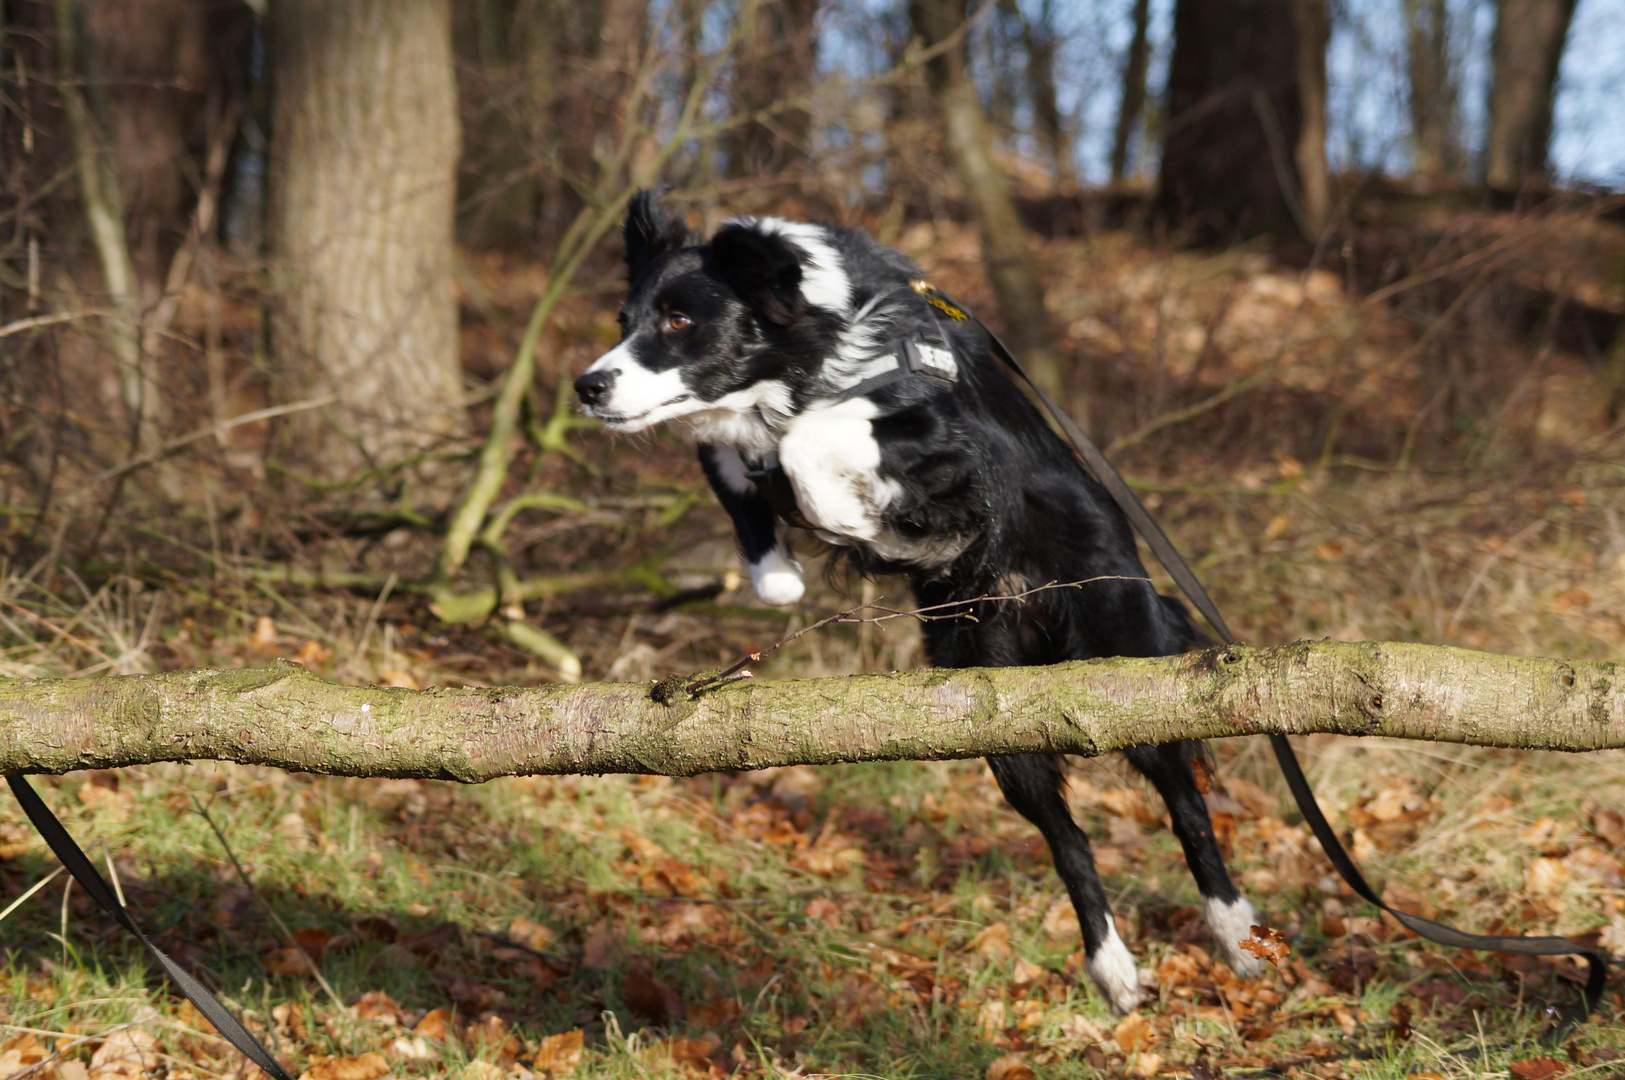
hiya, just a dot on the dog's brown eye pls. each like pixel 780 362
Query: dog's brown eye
pixel 678 321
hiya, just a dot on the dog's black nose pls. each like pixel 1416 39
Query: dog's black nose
pixel 594 386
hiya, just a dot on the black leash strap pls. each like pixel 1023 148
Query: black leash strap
pixel 91 880
pixel 1168 555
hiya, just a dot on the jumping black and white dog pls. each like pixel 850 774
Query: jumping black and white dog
pixel 828 394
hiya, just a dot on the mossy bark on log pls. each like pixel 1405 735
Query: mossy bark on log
pixel 287 717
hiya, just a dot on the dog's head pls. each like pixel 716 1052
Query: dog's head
pixel 730 326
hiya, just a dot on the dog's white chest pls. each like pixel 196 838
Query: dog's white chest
pixel 833 462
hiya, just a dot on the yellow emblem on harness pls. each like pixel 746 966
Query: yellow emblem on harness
pixel 934 297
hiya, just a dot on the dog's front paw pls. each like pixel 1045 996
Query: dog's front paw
pixel 777 579
pixel 1231 924
pixel 1112 967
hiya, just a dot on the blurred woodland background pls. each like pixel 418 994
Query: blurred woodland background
pixel 295 294
pixel 291 297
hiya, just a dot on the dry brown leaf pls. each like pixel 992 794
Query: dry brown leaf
pixel 1396 802
pixel 286 961
pixel 1130 803
pixel 1595 867
pixel 377 928
pixel 490 1034
pixel 1537 1068
pixel 263 639
pixel 1061 920
pixel 1267 943
pixel 368 1066
pixel 800 781
pixel 1133 1032
pixel 643 849
pixel 1178 969
pixel 19 1052
pixel 416 1048
pixel 1149 1064
pixel 290 1019
pixel 596 950
pixel 1011 1066
pixel 314 940
pixel 1572 600
pixel 990 1018
pixel 473 995
pixel 398 677
pixel 824 910
pixel 294 830
pixel 993 943
pixel 531 934
pixel 715 1014
pixel 436 1024
pixel 559 1054
pixel 128 1053
pixel 680 879
pixel 649 999
pixel 689 922
pixel 482 1070
pixel 313 654
pixel 1610 826
pixel 14 841
pixel 1259 803
pixel 1026 972
pixel 691 1057
pixel 377 1005
pixel 1545 877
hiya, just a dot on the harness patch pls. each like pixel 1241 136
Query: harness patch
pixel 936 299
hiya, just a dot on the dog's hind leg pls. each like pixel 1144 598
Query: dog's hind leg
pixel 1230 916
pixel 1032 783
pixel 774 574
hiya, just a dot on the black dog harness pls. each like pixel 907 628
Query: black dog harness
pixel 917 357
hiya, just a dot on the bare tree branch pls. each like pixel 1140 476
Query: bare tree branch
pixel 286 717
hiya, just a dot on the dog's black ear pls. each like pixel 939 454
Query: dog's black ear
pixel 651 232
pixel 763 268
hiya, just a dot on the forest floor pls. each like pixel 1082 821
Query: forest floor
pixel 889 920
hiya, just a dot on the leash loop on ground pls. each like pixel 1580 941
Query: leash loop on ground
pixel 1107 475
pixel 90 879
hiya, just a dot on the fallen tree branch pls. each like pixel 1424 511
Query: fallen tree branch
pixel 287 717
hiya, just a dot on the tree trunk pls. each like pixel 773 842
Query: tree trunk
pixel 1309 155
pixel 363 178
pixel 1010 265
pixel 1040 39
pixel 1529 38
pixel 1132 106
pixel 286 717
pixel 1235 120
pixel 776 52
pixel 103 201
pixel 1435 149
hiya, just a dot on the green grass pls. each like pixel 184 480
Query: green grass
pixel 787 954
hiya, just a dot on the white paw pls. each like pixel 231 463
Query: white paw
pixel 1112 967
pixel 776 579
pixel 1231 924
